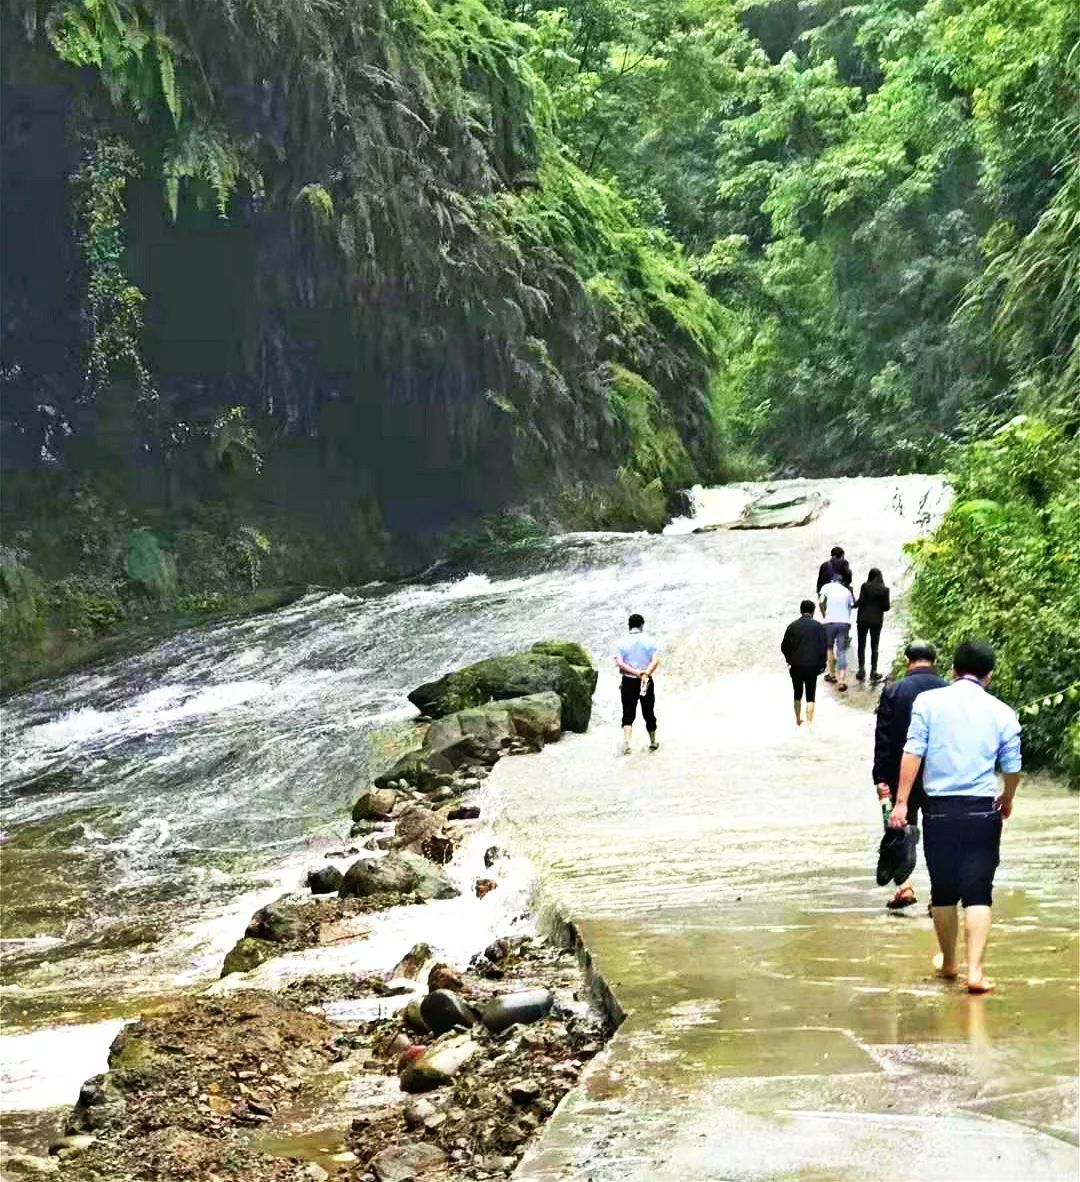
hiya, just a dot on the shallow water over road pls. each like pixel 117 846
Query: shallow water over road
pixel 781 1023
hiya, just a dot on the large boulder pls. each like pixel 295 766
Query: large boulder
pixel 374 805
pixel 277 922
pixel 536 718
pixel 101 1105
pixel 517 676
pixel 397 874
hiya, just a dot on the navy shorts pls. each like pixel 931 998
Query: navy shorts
pixel 961 843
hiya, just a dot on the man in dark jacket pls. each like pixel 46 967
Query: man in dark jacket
pixel 835 564
pixel 893 720
pixel 805 648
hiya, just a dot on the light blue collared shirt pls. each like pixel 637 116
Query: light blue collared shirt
pixel 964 735
pixel 637 650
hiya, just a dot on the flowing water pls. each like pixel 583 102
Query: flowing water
pixel 151 803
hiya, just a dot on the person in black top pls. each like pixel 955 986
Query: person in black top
pixel 835 564
pixel 805 648
pixel 893 720
pixel 872 604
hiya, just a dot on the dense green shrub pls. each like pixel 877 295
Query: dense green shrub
pixel 1004 564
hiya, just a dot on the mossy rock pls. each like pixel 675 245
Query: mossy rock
pixel 516 676
pixel 570 650
pixel 135 1064
pixel 247 954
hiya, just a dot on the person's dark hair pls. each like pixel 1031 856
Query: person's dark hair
pixel 921 650
pixel 875 576
pixel 973 658
pixel 637 621
pixel 807 607
pixel 837 551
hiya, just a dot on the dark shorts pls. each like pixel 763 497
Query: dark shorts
pixel 804 679
pixel 632 697
pixel 961 842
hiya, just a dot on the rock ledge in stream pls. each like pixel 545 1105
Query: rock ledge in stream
pixel 516 676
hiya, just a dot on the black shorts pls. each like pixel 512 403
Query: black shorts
pixel 632 697
pixel 961 842
pixel 804 678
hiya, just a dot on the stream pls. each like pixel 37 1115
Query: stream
pixel 151 803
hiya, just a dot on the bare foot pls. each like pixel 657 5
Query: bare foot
pixel 946 972
pixel 982 985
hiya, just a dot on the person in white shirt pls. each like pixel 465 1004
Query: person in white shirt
pixel 837 604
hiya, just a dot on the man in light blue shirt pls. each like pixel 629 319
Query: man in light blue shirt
pixel 637 661
pixel 960 736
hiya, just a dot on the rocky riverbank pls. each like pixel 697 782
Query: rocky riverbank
pixel 462 1064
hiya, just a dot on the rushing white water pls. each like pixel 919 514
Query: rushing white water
pixel 153 802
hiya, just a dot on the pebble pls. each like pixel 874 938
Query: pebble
pixel 524 1091
pixel 465 812
pixel 484 886
pixel 418 1111
pixel 442 976
pixel 70 1146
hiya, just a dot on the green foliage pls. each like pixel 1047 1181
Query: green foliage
pixel 1005 565
pixel 150 568
pixel 233 441
pixel 113 305
pixel 86 605
pixel 22 608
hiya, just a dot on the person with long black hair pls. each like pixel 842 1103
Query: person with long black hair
pixel 871 605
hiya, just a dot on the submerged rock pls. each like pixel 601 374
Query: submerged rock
pixel 404 1163
pixel 512 677
pixel 397 874
pixel 484 886
pixel 781 510
pixel 325 881
pixel 492 854
pixel 247 954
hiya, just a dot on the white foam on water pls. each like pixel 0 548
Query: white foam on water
pixel 711 506
pixel 45 1068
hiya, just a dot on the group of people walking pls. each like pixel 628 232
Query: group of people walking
pixel 812 648
pixel 938 748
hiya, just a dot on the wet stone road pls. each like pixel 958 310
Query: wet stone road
pixel 781 1024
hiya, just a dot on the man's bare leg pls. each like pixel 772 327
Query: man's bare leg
pixel 809 711
pixel 798 711
pixel 947 928
pixel 977 932
pixel 627 734
pixel 830 661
